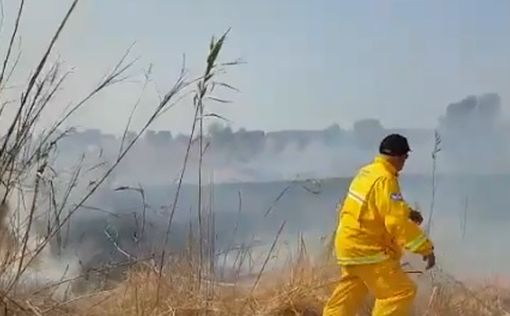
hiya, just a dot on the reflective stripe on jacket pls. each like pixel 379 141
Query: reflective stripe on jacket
pixel 374 222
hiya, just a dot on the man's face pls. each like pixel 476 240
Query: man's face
pixel 400 161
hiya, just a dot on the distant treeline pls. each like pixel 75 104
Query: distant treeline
pixel 473 140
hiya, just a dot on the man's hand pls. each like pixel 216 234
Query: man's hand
pixel 431 261
pixel 416 217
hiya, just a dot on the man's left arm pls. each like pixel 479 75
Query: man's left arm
pixel 396 213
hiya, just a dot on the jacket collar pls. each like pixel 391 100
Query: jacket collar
pixel 380 159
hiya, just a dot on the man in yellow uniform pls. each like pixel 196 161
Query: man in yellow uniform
pixel 376 225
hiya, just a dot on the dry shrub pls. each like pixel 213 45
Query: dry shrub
pixel 299 287
pixel 449 299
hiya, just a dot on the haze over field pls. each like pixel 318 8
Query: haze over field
pixel 258 166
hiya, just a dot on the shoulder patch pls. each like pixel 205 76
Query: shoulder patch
pixel 396 196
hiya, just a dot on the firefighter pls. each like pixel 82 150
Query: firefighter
pixel 375 226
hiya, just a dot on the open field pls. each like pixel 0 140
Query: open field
pixel 299 271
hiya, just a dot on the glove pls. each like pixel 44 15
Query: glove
pixel 416 217
pixel 431 261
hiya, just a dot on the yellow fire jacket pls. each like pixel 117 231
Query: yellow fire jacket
pixel 374 222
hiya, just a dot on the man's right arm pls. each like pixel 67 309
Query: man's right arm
pixel 395 212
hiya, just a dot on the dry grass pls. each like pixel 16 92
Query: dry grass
pixel 298 288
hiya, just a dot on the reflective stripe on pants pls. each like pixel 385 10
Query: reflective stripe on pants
pixel 380 257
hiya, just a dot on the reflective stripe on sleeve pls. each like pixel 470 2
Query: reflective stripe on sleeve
pixel 363 260
pixel 356 196
pixel 416 243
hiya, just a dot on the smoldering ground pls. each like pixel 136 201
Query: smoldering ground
pixel 466 233
pixel 255 183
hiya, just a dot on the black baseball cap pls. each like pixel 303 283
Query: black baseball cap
pixel 394 145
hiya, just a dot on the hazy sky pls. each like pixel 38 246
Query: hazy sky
pixel 308 63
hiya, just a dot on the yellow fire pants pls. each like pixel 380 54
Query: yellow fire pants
pixel 393 290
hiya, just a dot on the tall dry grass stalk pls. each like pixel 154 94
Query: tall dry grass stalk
pixel 205 86
pixel 435 151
